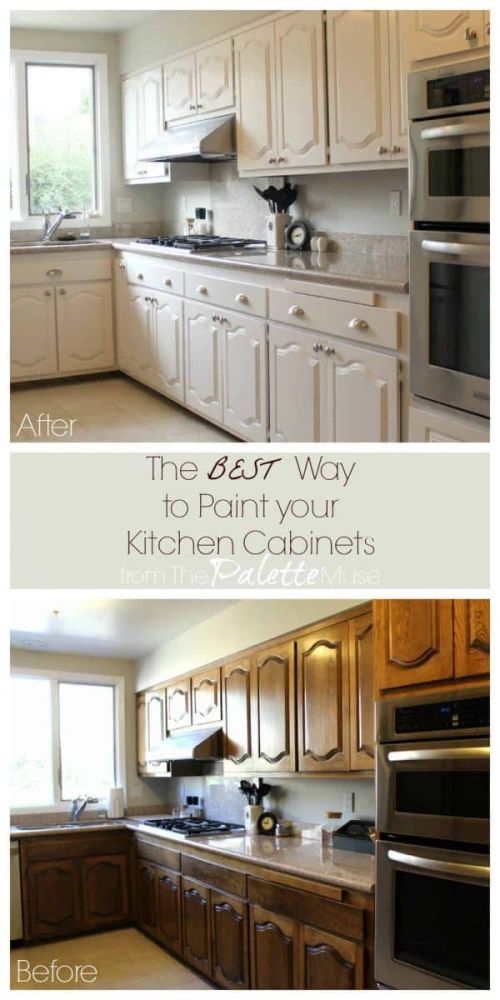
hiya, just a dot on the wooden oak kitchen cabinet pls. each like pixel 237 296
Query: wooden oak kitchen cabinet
pixel 323 700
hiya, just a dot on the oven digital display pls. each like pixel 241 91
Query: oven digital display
pixel 454 91
pixel 471 713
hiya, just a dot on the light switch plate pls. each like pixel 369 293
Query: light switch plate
pixel 348 802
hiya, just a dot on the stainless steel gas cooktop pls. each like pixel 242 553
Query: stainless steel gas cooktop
pixel 202 244
pixel 194 827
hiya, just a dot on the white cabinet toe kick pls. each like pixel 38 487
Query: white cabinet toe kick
pixel 265 357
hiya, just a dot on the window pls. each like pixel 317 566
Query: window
pixel 64 740
pixel 60 136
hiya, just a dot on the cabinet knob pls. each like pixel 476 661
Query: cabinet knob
pixel 329 350
pixel 202 290
pixel 281 159
pixel 148 298
pixel 199 106
pixel 122 265
pixel 296 311
pixel 381 150
pixel 272 159
pixel 487 27
pixel 54 273
pixel 48 293
pixel 470 35
pixel 62 291
pixel 140 276
pixel 242 299
pixel 358 324
pixel 317 347
pixel 167 282
pixel 192 107
pixel 395 149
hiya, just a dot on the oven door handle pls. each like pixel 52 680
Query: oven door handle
pixel 472 250
pixel 447 753
pixel 481 872
pixel 447 131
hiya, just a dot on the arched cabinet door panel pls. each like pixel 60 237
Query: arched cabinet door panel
pixel 323 699
pixel 196 922
pixel 472 638
pixel 169 909
pixel 54 901
pixel 206 696
pixel 105 890
pixel 431 33
pixel 178 695
pixel 273 684
pixel 414 642
pixel 274 950
pixel 237 699
pixel 328 962
pixel 362 697
pixel 230 941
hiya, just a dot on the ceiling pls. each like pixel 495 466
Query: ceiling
pixel 78 20
pixel 114 628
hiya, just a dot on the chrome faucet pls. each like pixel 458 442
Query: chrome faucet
pixel 50 227
pixel 78 806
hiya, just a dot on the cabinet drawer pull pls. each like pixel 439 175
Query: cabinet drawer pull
pixel 470 35
pixel 242 299
pixel 296 311
pixel 122 265
pixel 358 324
pixel 381 150
pixel 167 282
pixel 140 276
pixel 202 290
pixel 317 347
pixel 329 350
pixel 54 273
pixel 62 291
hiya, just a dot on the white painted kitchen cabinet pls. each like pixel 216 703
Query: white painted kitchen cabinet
pixel 255 67
pixel 179 87
pixel 33 332
pixel 85 327
pixel 202 350
pixel 280 94
pixel 199 82
pixel 297 387
pixel 398 67
pixel 431 33
pixel 301 95
pixel 215 77
pixel 166 317
pixel 142 112
pixel 324 390
pixel 244 376
pixel 358 85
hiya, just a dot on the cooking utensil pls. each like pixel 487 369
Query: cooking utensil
pixel 246 789
pixel 261 791
pixel 279 200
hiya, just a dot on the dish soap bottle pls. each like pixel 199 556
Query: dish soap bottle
pixel 333 820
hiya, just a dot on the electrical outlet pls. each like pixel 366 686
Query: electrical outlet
pixel 395 202
pixel 348 802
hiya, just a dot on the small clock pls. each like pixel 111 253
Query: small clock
pixel 266 823
pixel 297 235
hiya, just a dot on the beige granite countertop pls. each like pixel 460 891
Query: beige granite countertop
pixel 376 272
pixel 296 856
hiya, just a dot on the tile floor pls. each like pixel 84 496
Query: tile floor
pixel 124 959
pixel 114 408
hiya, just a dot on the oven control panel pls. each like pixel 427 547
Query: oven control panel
pixel 443 716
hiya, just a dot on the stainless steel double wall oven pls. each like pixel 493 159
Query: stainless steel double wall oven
pixel 432 892
pixel 449 246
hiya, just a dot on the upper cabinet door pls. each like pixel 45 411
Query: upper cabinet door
pixel 179 88
pixel 362 696
pixel 472 638
pixel 131 120
pixel 155 728
pixel 151 118
pixel 433 33
pixel 206 696
pixel 179 703
pixel 273 683
pixel 413 642
pixel 300 71
pixel 323 700
pixel 236 679
pixel 358 85
pixel 255 68
pixel 215 77
pixel 399 85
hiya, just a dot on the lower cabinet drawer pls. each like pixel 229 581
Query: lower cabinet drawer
pixel 239 295
pixel 221 878
pixel 325 914
pixel 149 272
pixel 45 268
pixel 365 324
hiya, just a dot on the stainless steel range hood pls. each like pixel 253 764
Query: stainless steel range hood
pixel 192 744
pixel 210 139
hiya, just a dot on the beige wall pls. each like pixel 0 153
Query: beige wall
pixel 139 792
pixel 169 31
pixel 243 624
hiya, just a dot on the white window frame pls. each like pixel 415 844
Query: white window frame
pixel 20 218
pixel 55 677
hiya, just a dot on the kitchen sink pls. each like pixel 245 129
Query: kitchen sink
pixel 64 826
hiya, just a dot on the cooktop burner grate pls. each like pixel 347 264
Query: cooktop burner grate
pixel 197 244
pixel 194 827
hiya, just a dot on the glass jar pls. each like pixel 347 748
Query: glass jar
pixel 333 820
